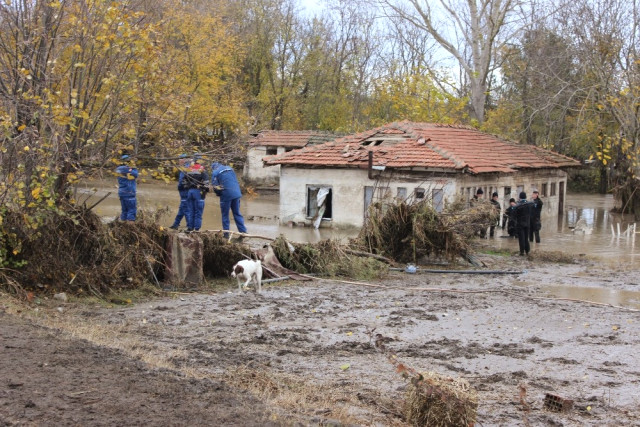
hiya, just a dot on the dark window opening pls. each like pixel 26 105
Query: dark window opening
pixel 420 193
pixel 373 143
pixel 553 189
pixel 271 151
pixel 543 190
pixel 287 149
pixel 319 199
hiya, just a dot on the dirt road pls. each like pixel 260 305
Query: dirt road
pixel 304 352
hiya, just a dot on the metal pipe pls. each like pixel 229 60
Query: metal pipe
pixel 461 271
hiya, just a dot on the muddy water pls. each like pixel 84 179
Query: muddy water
pixel 558 233
pixel 617 297
pixel 262 213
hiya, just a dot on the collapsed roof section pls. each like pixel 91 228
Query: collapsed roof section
pixel 291 139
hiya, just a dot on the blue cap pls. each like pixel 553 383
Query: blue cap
pixel 125 157
pixel 182 156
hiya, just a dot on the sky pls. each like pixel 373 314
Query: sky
pixel 311 6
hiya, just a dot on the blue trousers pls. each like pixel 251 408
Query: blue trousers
pixel 129 208
pixel 234 205
pixel 182 209
pixel 194 209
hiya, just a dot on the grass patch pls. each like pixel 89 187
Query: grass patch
pixel 557 257
pixel 497 252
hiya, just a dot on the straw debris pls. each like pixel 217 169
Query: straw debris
pixel 440 401
pixel 72 250
pixel 408 231
pixel 326 258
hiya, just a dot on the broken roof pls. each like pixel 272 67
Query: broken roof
pixel 406 144
pixel 294 139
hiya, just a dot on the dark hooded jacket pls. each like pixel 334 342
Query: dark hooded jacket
pixel 523 213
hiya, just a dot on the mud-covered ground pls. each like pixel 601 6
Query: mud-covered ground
pixel 304 353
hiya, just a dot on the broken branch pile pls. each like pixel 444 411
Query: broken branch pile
pixel 407 232
pixel 326 258
pixel 71 249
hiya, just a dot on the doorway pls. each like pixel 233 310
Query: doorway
pixel 561 198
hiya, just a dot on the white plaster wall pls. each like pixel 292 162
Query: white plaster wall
pixel 348 190
pixel 254 171
pixel 528 180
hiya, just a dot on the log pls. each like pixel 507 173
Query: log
pixel 243 235
pixel 369 255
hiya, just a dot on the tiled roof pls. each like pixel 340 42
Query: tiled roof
pixel 294 139
pixel 425 145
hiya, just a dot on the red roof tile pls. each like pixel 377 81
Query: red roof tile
pixel 425 145
pixel 294 139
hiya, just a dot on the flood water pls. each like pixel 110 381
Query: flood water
pixel 556 234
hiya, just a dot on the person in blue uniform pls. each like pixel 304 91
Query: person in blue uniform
pixel 127 175
pixel 225 185
pixel 195 181
pixel 183 163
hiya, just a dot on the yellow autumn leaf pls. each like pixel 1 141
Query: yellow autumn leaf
pixel 26 148
pixel 349 333
pixel 35 193
pixel 21 128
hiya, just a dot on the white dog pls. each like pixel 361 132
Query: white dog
pixel 248 270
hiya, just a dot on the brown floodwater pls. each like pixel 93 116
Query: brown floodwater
pixel 598 294
pixel 261 213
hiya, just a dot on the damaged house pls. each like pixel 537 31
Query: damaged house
pixel 273 142
pixel 333 184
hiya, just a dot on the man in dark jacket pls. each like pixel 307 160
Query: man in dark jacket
pixel 496 205
pixel 475 200
pixel 183 163
pixel 509 219
pixel 523 213
pixel 226 186
pixel 127 175
pixel 536 223
pixel 195 181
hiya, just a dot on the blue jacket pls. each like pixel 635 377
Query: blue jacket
pixel 126 180
pixel 225 177
pixel 181 184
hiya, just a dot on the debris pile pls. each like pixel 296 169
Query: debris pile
pixel 219 255
pixel 326 258
pixel 72 250
pixel 437 400
pixel 406 232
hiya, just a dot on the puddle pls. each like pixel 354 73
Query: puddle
pixel 556 234
pixel 621 298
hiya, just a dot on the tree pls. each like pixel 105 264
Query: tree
pixel 538 86
pixel 606 35
pixel 472 37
